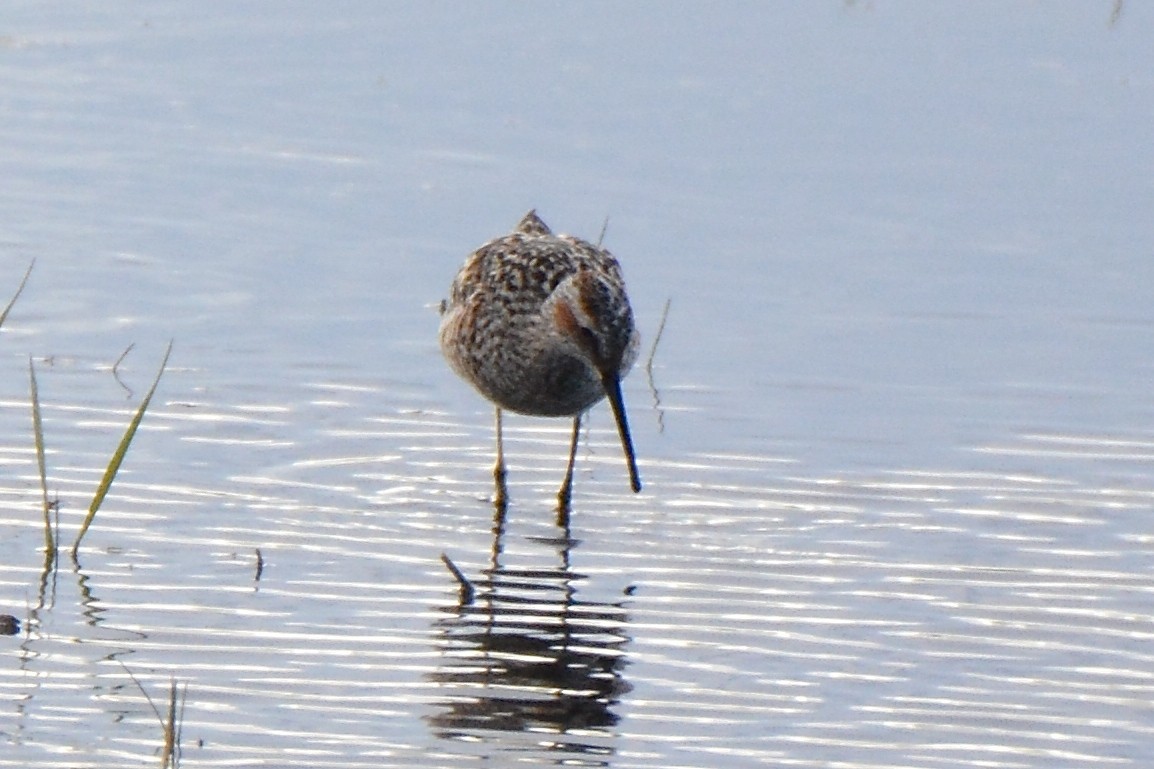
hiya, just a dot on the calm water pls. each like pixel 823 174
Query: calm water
pixel 896 436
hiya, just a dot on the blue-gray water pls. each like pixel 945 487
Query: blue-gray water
pixel 896 436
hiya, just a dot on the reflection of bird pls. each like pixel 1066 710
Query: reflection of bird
pixel 524 656
pixel 540 324
pixel 530 656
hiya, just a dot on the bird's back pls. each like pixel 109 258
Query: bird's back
pixel 523 268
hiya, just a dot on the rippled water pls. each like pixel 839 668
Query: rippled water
pixel 895 438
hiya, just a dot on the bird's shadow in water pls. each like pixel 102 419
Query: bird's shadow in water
pixel 523 657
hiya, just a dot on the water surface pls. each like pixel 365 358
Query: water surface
pixel 895 438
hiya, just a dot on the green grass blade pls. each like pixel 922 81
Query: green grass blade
pixel 38 439
pixel 20 290
pixel 118 457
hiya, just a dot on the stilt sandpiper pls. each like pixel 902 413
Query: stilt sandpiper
pixel 540 324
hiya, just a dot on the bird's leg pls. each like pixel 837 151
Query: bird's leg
pixel 565 492
pixel 501 497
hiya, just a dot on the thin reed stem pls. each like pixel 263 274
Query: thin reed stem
pixel 19 290
pixel 38 440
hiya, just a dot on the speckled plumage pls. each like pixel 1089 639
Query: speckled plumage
pixel 540 324
pixel 499 333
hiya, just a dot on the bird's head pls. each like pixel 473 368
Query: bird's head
pixel 593 313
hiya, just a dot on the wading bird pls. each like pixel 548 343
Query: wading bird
pixel 540 324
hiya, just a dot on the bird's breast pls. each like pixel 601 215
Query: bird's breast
pixel 553 385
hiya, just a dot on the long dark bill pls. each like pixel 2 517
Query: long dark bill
pixel 612 386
